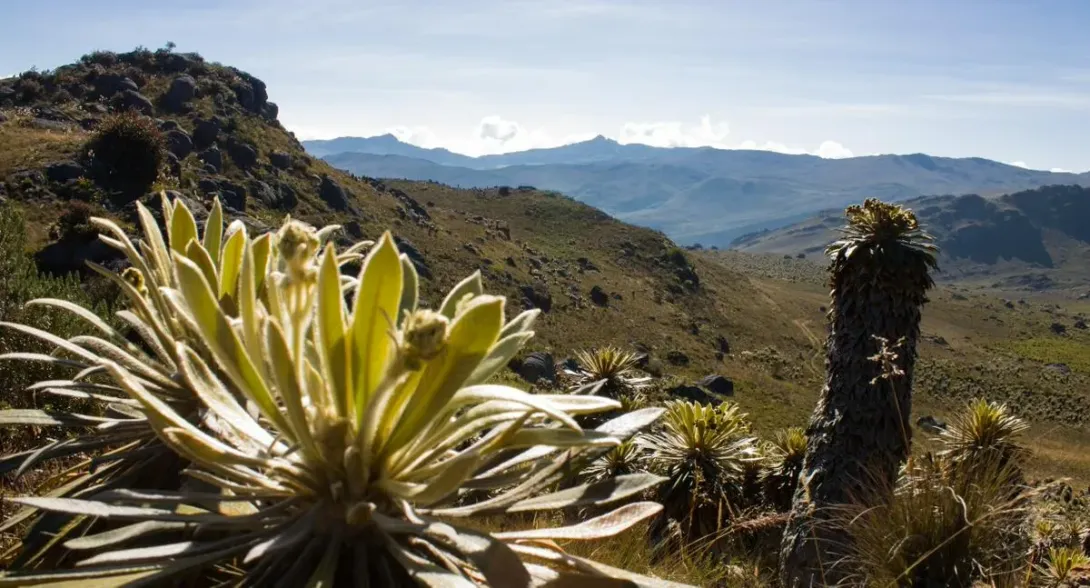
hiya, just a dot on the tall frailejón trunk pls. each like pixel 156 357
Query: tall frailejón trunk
pixel 859 434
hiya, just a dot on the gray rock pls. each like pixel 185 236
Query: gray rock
pixel 333 194
pixel 1058 328
pixel 598 296
pixel 107 85
pixel 1080 324
pixel 62 171
pixel 694 394
pixel 423 269
pixel 264 193
pixel 134 100
pixel 717 384
pixel 179 143
pixel 1059 368
pixel 287 200
pixel 3 118
pixel 208 185
pixel 233 195
pixel 538 366
pixel 537 296
pixel 245 156
pixel 280 159
pixel 205 132
pixel 722 345
pixel 50 125
pixel 213 157
pixel 168 125
pixel 931 424
pixel 174 164
pixel 182 89
pixel 271 111
pixel 677 358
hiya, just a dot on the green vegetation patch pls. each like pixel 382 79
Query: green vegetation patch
pixel 1072 352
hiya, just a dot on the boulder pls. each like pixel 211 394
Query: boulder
pixel 717 384
pixel 107 85
pixel 62 171
pixel 133 100
pixel 233 195
pixel 694 394
pixel 1059 368
pixel 333 194
pixel 722 345
pixel 152 202
pixel 280 159
pixel 1058 328
pixel 208 185
pixel 598 296
pixel 931 424
pixel 415 256
pixel 245 156
pixel 72 254
pixel 1080 324
pixel 536 296
pixel 179 143
pixel 205 132
pixel 182 89
pixel 677 358
pixel 264 193
pixel 212 157
pixel 270 111
pixel 174 165
pixel 168 125
pixel 287 200
pixel 538 366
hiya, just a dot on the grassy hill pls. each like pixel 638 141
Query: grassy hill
pixel 695 195
pixel 600 280
pixel 1030 240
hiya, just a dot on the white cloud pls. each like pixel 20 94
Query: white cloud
pixel 832 150
pixel 418 135
pixel 1018 164
pixel 495 128
pixel 1060 170
pixel 676 134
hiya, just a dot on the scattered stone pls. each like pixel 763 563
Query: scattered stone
pixel 168 125
pixel 1058 328
pixel 677 358
pixel 245 156
pixel 134 100
pixel 208 185
pixel 107 85
pixel 1080 324
pixel 510 261
pixel 537 296
pixel 722 344
pixel 264 193
pixel 212 157
pixel 333 194
pixel 717 384
pixel 287 198
pixel 205 132
pixel 931 424
pixel 1059 368
pixel 598 296
pixel 695 394
pixel 415 256
pixel 179 143
pixel 233 196
pixel 280 160
pixel 181 91
pixel 585 265
pixel 538 366
pixel 62 171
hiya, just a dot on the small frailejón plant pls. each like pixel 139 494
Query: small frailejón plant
pixel 614 367
pixel 703 451
pixel 784 455
pixel 343 433
pixel 984 433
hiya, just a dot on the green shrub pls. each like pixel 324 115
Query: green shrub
pixel 74 223
pixel 126 152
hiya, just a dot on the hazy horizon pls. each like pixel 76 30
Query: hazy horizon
pixel 970 78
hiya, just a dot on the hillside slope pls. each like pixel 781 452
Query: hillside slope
pixel 1030 240
pixel 599 280
pixel 694 195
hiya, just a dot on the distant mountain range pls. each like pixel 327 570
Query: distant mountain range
pixel 1035 239
pixel 695 195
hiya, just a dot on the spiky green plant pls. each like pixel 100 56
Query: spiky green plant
pixel 344 435
pixel 1061 567
pixel 984 431
pixel 613 366
pixel 117 438
pixel 860 433
pixel 703 451
pixel 627 458
pixel 935 530
pixel 784 455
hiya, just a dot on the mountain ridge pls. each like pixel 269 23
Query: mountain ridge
pixel 699 194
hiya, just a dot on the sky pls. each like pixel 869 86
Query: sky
pixel 1002 79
